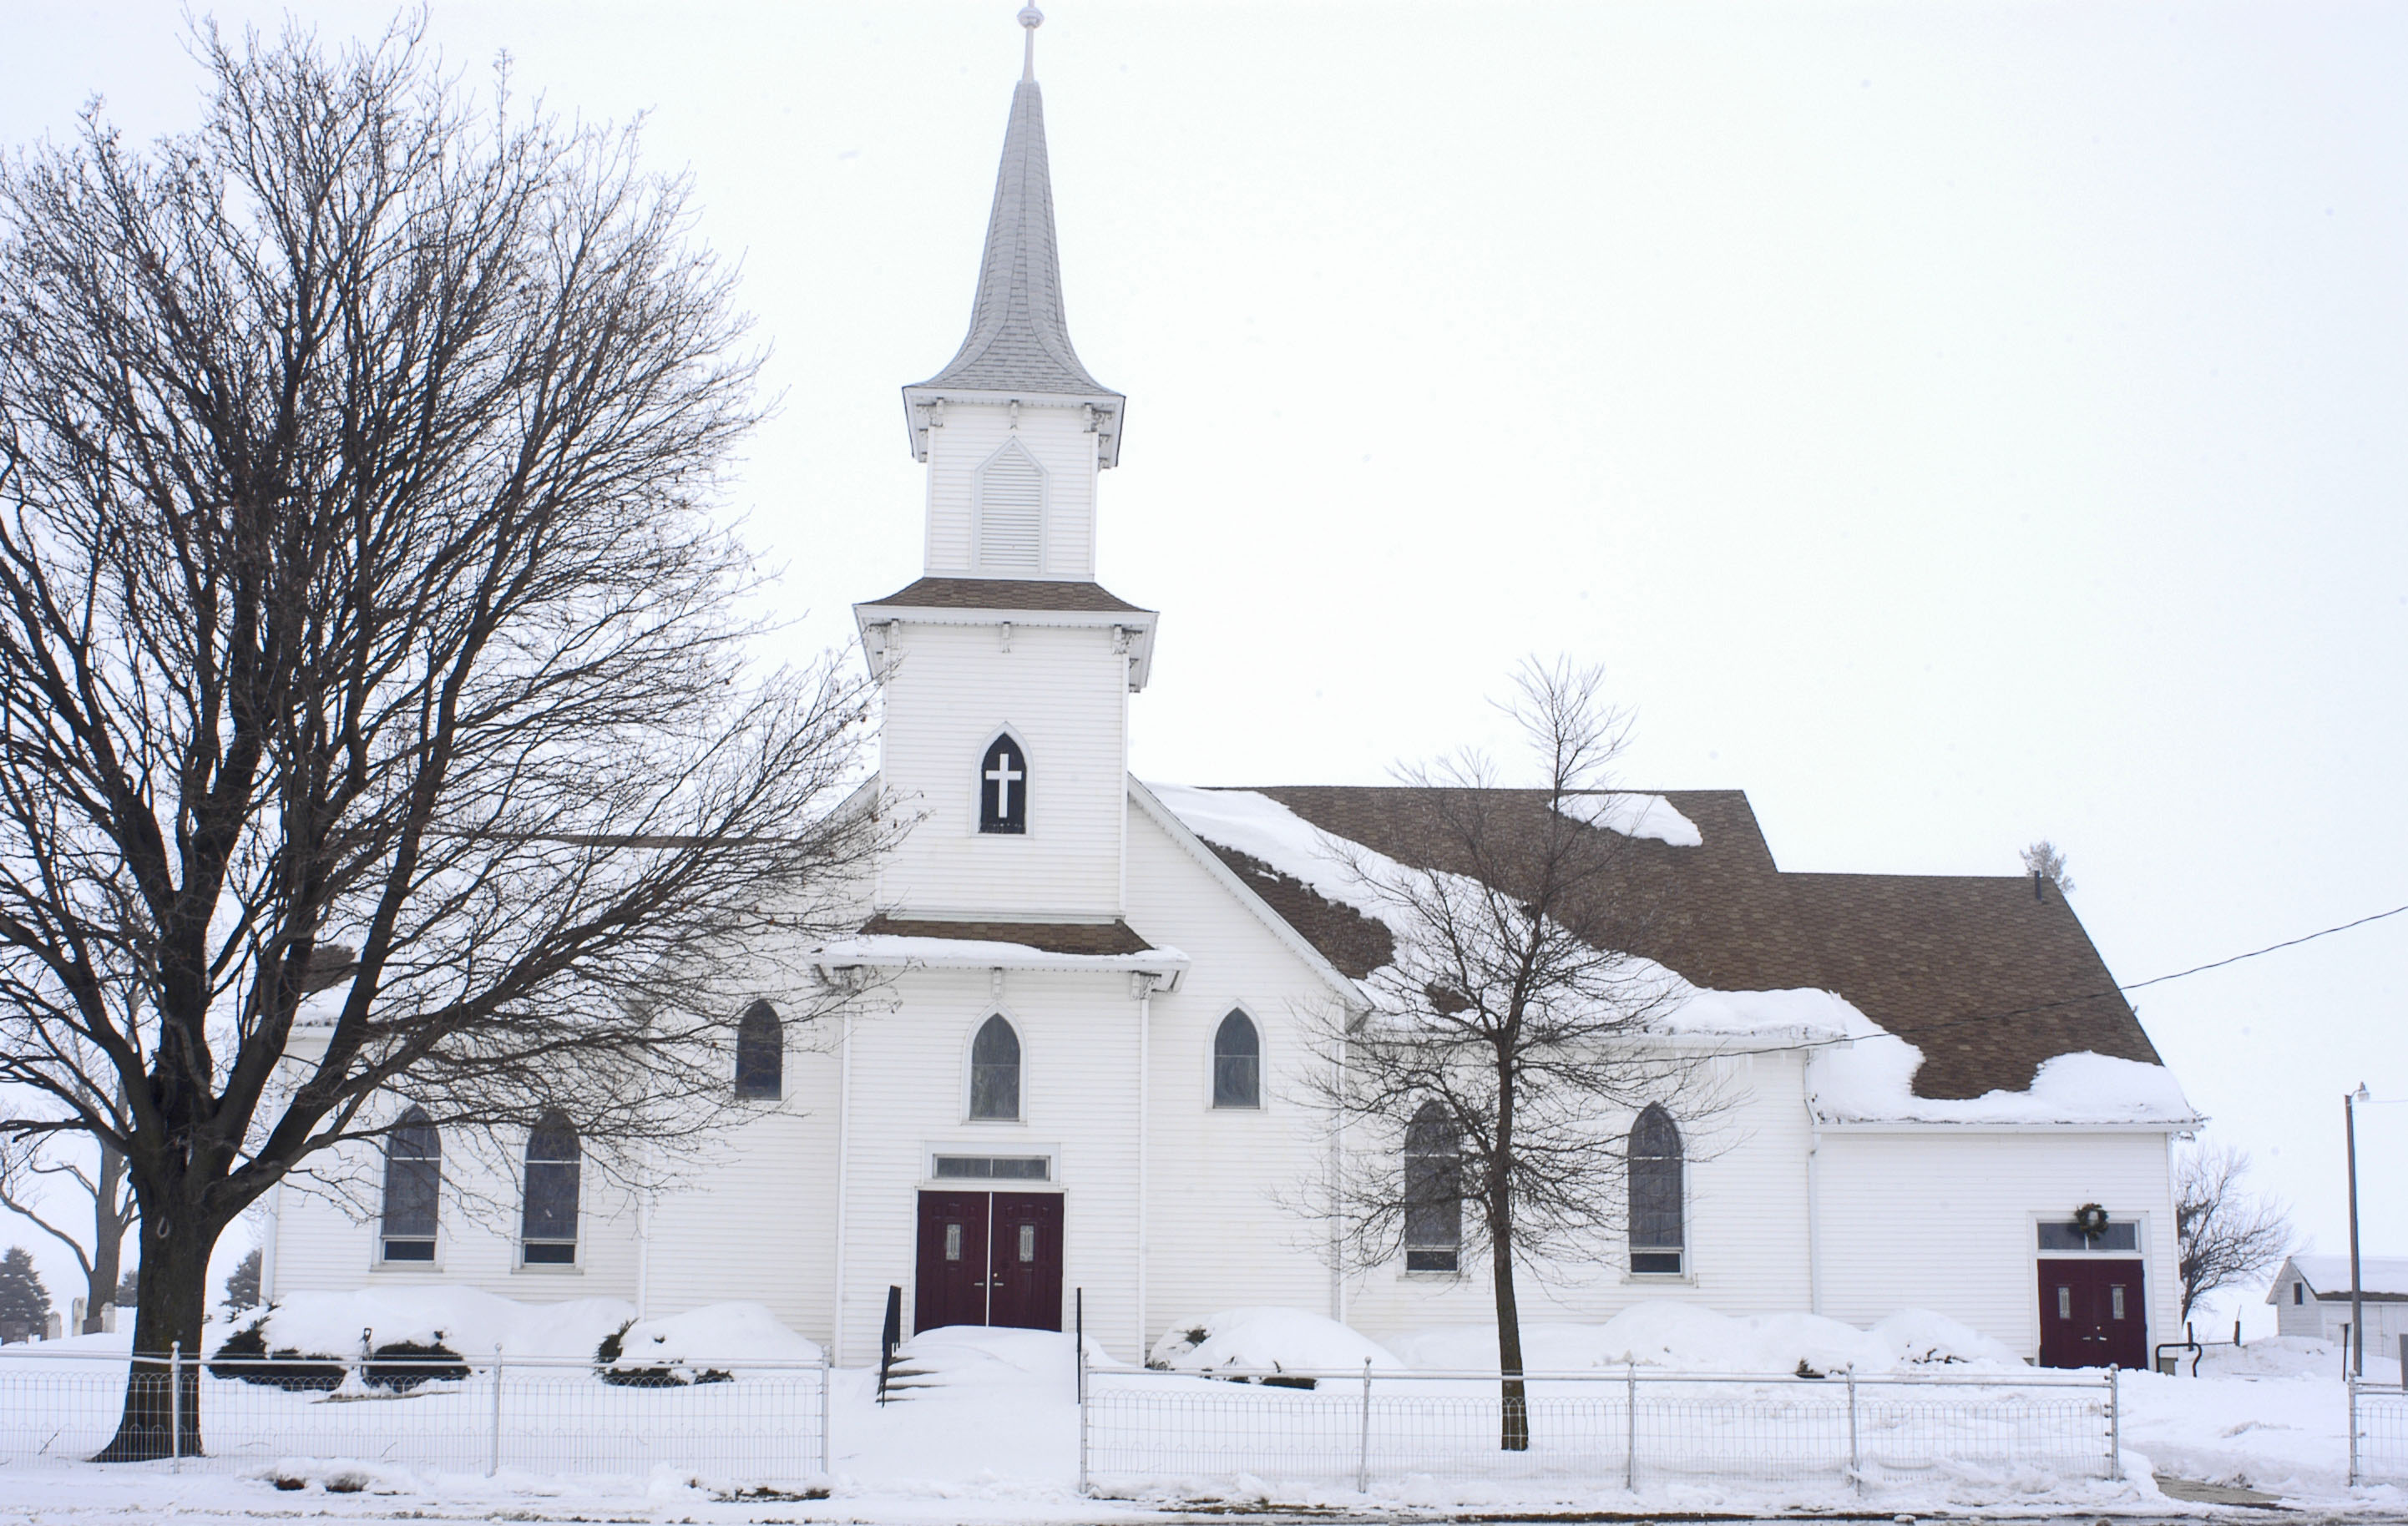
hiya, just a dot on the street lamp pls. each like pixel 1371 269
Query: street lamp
pixel 2357 1309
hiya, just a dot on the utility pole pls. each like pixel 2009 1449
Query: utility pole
pixel 2357 1308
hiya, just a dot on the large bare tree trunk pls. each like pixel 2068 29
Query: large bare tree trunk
pixel 173 1304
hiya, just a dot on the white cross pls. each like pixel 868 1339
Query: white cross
pixel 1003 774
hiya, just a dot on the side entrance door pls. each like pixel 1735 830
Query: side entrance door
pixel 989 1258
pixel 2092 1313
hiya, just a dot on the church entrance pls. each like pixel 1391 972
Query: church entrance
pixel 989 1258
pixel 2091 1314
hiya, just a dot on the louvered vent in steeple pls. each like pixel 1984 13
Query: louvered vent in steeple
pixel 1012 514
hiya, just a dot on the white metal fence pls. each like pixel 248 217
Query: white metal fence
pixel 1629 1429
pixel 749 1424
pixel 2378 1435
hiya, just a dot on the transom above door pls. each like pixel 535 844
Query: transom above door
pixel 989 1258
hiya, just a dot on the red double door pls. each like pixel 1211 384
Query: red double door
pixel 2092 1313
pixel 989 1258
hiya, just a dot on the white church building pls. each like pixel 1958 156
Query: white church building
pixel 1078 1065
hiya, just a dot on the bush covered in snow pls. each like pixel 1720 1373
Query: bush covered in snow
pixel 1237 1342
pixel 679 1348
pixel 245 1355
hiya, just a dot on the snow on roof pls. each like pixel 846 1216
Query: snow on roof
pixel 886 951
pixel 2328 1277
pixel 1864 1074
pixel 1634 816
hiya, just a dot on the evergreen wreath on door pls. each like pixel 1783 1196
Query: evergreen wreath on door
pixel 2090 1221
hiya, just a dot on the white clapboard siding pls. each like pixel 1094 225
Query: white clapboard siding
pixel 1946 1219
pixel 910 1099
pixel 1058 441
pixel 1746 1230
pixel 1063 692
pixel 1232 1219
pixel 326 1235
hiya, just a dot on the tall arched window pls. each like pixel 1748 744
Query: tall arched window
pixel 1003 787
pixel 1655 1208
pixel 548 1221
pixel 1011 512
pixel 413 1186
pixel 995 1071
pixel 760 1054
pixel 1433 1192
pixel 1237 1063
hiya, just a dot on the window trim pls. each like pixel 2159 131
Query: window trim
pixel 1406 1153
pixel 1213 1103
pixel 433 1262
pixel 777 1093
pixel 1687 1271
pixel 576 1261
pixel 988 1146
pixel 969 1068
pixel 978 787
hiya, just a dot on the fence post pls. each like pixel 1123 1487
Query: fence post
pixel 1082 1394
pixel 1630 1426
pixel 175 1406
pixel 1856 1458
pixel 1363 1446
pixel 2403 1362
pixel 2353 1435
pixel 826 1379
pixel 2115 1424
pixel 493 1453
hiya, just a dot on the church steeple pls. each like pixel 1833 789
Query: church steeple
pixel 1018 348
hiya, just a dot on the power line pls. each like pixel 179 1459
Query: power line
pixel 2288 943
pixel 2092 995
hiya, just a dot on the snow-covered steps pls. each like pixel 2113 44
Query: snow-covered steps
pixel 985 1362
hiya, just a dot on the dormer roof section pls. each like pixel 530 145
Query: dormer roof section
pixel 1019 346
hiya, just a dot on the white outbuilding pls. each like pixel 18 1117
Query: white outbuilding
pixel 2310 1297
pixel 1076 1074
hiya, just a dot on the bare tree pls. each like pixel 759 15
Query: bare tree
pixel 1513 1036
pixel 2224 1235
pixel 34 1171
pixel 358 582
pixel 2044 860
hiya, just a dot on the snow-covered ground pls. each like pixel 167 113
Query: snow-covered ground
pixel 995 1436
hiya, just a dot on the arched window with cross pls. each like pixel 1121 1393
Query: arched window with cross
pixel 1003 787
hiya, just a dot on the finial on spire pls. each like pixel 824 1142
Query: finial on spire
pixel 1030 18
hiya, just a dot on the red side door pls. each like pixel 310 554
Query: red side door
pixel 2092 1313
pixel 1025 1262
pixel 951 1286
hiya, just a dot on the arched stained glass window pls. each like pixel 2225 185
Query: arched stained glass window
pixel 1433 1192
pixel 760 1054
pixel 547 1218
pixel 1237 1063
pixel 1655 1194
pixel 413 1186
pixel 995 1071
pixel 1003 787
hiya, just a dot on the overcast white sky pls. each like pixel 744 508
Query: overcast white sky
pixel 1952 424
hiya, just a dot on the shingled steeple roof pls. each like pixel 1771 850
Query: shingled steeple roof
pixel 1019 346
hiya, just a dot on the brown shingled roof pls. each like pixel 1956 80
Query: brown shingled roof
pixel 1006 593
pixel 1047 937
pixel 1981 975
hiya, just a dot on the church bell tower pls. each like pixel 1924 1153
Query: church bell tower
pixel 1007 668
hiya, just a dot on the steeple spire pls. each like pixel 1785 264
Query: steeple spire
pixel 1019 345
